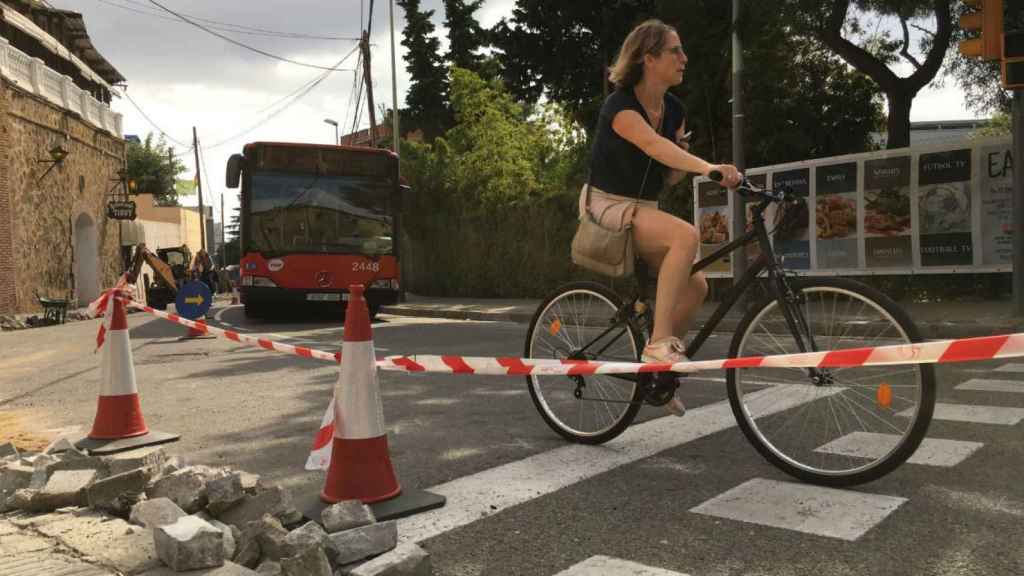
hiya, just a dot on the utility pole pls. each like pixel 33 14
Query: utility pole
pixel 365 45
pixel 1018 202
pixel 394 80
pixel 223 224
pixel 739 216
pixel 199 188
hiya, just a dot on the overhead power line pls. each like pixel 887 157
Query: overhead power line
pixel 208 30
pixel 154 124
pixel 287 101
pixel 147 10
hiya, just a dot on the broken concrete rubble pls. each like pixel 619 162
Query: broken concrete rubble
pixel 156 512
pixel 346 515
pixel 64 488
pixel 190 543
pixel 117 494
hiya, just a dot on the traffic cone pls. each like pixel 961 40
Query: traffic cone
pixel 119 424
pixel 360 467
pixel 352 443
pixel 118 412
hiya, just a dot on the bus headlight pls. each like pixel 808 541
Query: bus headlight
pixel 260 281
pixel 391 284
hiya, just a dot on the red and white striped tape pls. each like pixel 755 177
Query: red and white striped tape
pixel 256 342
pixel 938 352
pixel 945 351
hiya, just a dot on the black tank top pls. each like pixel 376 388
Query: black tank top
pixel 617 166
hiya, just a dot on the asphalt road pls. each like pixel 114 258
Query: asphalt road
pixel 685 495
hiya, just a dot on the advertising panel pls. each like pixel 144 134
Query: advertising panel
pixel 996 205
pixel 944 208
pixel 835 215
pixel 713 223
pixel 792 242
pixel 887 241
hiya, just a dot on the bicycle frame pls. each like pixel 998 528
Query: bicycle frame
pixel 766 261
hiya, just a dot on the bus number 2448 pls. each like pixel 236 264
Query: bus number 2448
pixel 366 266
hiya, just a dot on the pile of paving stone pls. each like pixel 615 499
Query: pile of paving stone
pixel 144 512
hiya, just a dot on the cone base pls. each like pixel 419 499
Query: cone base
pixel 102 446
pixel 408 503
pixel 118 417
pixel 360 470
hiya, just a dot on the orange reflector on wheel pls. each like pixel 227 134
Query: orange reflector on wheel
pixel 555 327
pixel 884 395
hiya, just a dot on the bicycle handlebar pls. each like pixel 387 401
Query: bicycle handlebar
pixel 747 188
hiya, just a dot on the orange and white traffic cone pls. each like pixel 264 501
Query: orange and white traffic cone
pixel 118 412
pixel 360 467
pixel 352 443
pixel 119 424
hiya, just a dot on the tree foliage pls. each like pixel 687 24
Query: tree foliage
pixel 853 30
pixel 802 101
pixel 426 99
pixel 466 38
pixel 153 169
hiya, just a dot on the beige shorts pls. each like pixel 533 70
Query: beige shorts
pixel 611 210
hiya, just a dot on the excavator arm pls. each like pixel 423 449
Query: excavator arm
pixel 160 268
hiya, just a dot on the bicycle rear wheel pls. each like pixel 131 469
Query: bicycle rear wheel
pixel 578 322
pixel 833 426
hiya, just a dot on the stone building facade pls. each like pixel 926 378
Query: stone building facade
pixel 55 236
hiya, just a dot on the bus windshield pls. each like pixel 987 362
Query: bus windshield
pixel 291 212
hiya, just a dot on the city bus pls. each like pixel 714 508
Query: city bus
pixel 315 219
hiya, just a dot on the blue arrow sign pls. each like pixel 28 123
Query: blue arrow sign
pixel 193 300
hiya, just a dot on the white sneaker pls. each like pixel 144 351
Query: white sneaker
pixel 675 406
pixel 667 350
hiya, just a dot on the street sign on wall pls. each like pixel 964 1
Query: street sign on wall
pixel 931 209
pixel 121 210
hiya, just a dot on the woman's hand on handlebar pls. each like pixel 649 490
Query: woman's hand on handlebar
pixel 725 174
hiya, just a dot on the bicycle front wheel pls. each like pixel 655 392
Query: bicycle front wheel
pixel 578 322
pixel 831 426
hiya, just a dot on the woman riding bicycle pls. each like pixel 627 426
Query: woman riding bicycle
pixel 632 149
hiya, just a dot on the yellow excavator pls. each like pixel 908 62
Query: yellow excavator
pixel 170 268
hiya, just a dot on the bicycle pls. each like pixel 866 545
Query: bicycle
pixel 828 426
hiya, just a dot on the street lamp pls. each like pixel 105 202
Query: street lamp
pixel 335 124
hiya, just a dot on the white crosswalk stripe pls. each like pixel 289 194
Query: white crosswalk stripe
pixel 473 497
pixel 1012 367
pixel 986 385
pixel 608 566
pixel 975 414
pixel 829 512
pixel 932 452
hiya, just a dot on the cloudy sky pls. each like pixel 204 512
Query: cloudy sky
pixel 181 76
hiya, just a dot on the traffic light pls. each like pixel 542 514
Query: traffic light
pixel 987 20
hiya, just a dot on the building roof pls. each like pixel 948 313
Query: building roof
pixel 62 32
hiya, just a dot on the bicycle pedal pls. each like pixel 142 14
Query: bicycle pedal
pixel 663 389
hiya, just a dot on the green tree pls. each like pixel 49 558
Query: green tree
pixel 466 38
pixel 561 50
pixel 802 101
pixel 154 169
pixel 426 99
pixel 495 155
pixel 858 37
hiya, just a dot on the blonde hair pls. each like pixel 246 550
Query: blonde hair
pixel 647 38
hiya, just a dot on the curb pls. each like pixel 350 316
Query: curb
pixel 932 330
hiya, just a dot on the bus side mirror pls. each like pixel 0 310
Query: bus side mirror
pixel 234 170
pixel 407 195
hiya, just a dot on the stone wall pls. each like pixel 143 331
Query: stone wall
pixel 43 210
